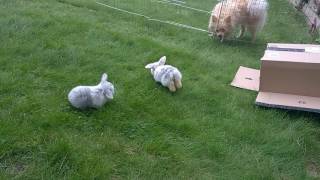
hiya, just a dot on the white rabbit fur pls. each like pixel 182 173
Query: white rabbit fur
pixel 92 96
pixel 167 75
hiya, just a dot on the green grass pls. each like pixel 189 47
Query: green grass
pixel 207 130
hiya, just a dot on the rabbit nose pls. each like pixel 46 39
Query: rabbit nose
pixel 110 97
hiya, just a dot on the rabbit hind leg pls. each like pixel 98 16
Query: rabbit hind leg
pixel 172 86
pixel 178 84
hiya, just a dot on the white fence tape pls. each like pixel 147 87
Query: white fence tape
pixel 156 20
pixel 183 6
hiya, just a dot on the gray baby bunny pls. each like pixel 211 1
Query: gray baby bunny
pixel 92 96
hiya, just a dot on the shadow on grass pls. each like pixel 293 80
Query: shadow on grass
pixel 88 112
pixel 296 114
pixel 167 91
pixel 312 116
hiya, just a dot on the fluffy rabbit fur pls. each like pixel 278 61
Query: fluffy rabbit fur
pixel 92 96
pixel 167 75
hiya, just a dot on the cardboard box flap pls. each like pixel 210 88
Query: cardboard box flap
pixel 291 56
pixel 312 49
pixel 309 48
pixel 303 53
pixel 286 49
pixel 247 78
pixel 291 46
pixel 288 101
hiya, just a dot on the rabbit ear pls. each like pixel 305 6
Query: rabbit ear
pixel 104 77
pixel 149 66
pixel 162 60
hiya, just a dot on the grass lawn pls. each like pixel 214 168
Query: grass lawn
pixel 207 130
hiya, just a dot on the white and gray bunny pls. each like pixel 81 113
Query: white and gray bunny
pixel 167 75
pixel 92 96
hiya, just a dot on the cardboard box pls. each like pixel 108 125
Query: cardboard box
pixel 289 77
